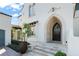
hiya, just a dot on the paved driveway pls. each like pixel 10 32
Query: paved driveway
pixel 8 52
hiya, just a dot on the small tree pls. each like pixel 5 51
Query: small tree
pixel 26 30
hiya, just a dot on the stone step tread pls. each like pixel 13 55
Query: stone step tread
pixel 31 54
pixel 42 53
pixel 45 51
pixel 48 48
pixel 51 48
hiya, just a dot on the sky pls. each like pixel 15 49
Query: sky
pixel 12 9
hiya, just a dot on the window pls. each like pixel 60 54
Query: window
pixel 32 10
pixel 77 6
pixel 76 12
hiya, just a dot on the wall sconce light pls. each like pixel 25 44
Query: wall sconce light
pixel 53 9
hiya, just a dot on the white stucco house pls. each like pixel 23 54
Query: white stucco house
pixel 55 23
pixel 5 29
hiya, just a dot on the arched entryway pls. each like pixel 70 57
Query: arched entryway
pixel 54 30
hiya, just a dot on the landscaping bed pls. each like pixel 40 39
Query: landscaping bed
pixel 19 46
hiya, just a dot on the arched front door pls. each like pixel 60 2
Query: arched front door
pixel 56 32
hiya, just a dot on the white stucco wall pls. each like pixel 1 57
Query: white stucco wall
pixel 43 15
pixel 74 41
pixel 25 13
pixel 65 14
pixel 5 24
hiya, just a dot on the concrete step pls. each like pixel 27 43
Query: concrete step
pixel 48 48
pixel 31 54
pixel 42 53
pixel 45 51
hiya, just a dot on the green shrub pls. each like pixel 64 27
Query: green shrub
pixel 15 42
pixel 18 42
pixel 60 53
pixel 14 47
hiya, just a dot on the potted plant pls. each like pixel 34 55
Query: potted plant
pixel 24 45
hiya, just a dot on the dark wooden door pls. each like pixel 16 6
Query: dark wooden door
pixel 56 32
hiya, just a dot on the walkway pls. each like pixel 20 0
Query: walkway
pixel 8 52
pixel 36 49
